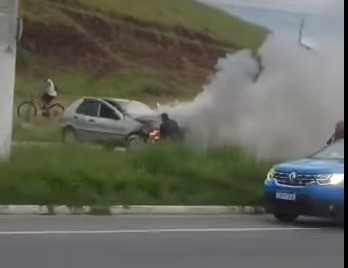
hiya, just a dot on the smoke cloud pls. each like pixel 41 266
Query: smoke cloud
pixel 290 111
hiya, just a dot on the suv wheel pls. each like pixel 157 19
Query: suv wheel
pixel 283 217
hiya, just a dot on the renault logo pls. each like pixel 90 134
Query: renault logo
pixel 292 176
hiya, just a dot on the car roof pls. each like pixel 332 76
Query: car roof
pixel 108 98
pixel 121 100
pixel 77 102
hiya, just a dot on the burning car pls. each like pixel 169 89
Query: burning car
pixel 110 122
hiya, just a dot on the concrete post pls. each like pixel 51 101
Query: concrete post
pixel 8 39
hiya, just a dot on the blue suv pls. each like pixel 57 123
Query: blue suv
pixel 313 186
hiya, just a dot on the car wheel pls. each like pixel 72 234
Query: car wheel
pixel 340 218
pixel 283 217
pixel 69 136
pixel 135 141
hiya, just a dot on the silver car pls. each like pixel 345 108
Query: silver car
pixel 109 122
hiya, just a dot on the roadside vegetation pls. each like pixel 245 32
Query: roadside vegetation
pixel 162 174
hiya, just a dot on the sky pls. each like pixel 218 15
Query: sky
pixel 324 19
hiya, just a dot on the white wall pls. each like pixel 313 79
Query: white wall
pixel 8 26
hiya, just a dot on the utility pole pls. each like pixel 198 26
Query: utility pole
pixel 10 31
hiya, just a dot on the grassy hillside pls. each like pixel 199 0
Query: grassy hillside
pixel 186 15
pixel 153 49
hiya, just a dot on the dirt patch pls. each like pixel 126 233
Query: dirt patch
pixel 105 46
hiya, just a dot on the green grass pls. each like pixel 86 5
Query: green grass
pixel 189 14
pixel 143 82
pixel 42 11
pixel 154 175
pixel 39 130
pixel 134 83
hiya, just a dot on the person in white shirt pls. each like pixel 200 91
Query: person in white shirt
pixel 49 95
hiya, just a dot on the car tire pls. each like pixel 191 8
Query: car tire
pixel 69 136
pixel 134 141
pixel 339 219
pixel 285 217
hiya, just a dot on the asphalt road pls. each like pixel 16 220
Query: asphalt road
pixel 167 241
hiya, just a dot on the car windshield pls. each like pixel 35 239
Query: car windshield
pixel 135 108
pixel 333 151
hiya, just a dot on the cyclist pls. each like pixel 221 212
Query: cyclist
pixel 49 95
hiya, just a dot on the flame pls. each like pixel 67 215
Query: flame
pixel 154 134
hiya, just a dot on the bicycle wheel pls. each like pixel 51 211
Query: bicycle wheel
pixel 56 111
pixel 26 110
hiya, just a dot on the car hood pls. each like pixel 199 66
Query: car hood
pixel 312 166
pixel 149 120
pixel 152 121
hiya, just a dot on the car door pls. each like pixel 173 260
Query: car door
pixel 111 124
pixel 85 120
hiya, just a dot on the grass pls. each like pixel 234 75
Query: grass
pixel 162 175
pixel 41 11
pixel 136 83
pixel 188 14
pixel 39 130
pixel 143 82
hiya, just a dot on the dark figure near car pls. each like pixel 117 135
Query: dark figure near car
pixel 338 134
pixel 169 128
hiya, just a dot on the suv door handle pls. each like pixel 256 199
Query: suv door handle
pixel 91 120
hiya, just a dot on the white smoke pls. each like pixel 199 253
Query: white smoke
pixel 289 112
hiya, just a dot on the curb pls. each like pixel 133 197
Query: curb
pixel 130 210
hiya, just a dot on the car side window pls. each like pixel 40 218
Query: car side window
pixel 106 112
pixel 89 108
pixel 116 106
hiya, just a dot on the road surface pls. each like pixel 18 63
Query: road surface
pixel 167 242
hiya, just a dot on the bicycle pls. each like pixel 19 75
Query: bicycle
pixel 28 110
